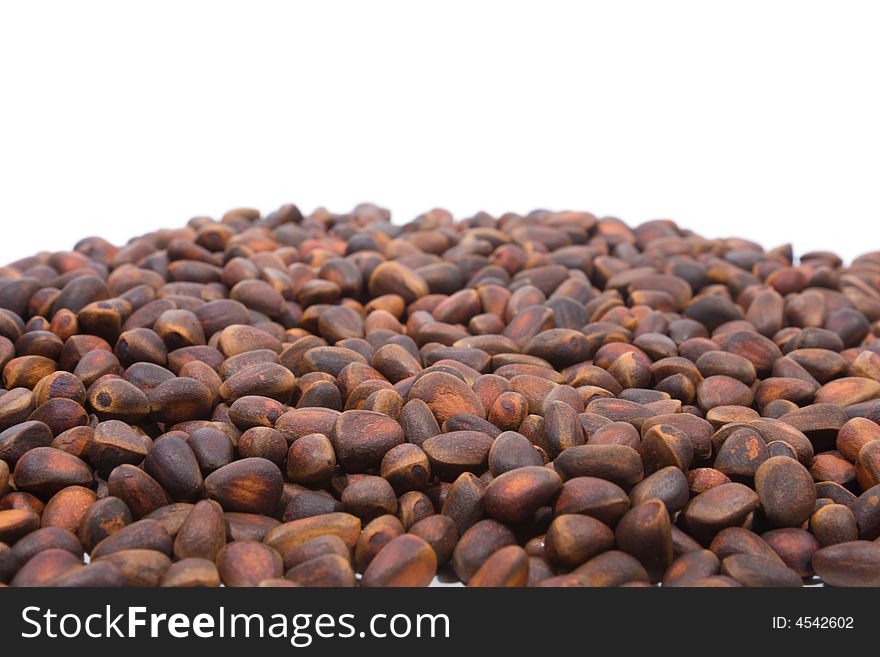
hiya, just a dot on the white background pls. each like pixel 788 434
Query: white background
pixel 758 119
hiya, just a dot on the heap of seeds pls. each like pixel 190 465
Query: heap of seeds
pixel 541 400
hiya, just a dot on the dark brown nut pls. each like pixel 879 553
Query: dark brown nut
pixel 369 497
pixel 620 410
pixel 664 445
pixel 21 438
pixel 721 390
pixel 96 364
pixel 265 443
pixel 264 380
pixel 868 465
pixel 539 570
pixel 140 567
pixel 178 358
pixel 180 399
pixel 114 443
pixel 847 391
pixel 795 547
pixel 691 567
pixel 387 402
pixel 60 385
pixel 26 371
pixel 614 433
pixel 61 415
pixel 786 491
pixel 143 534
pixel 742 454
pixel 247 526
pixel 21 500
pixel 611 568
pixel 44 471
pixel 103 518
pixel 669 485
pixel 737 540
pixel 247 563
pixel 15 523
pixel 44 539
pixel 340 323
pixel 853 435
pixel 561 428
pixel 306 503
pixel 723 415
pixel 761 351
pixel 696 428
pixel 512 450
pixel 508 568
pixel 514 496
pixel 406 467
pixel 138 490
pixel 202 534
pixel 66 508
pixel 406 561
pixel 645 533
pixel 362 438
pixel 47 566
pixel 331 360
pixel 750 570
pixel 212 448
pixel 191 572
pixel 172 463
pixel 171 516
pixel 784 388
pixel 830 466
pixel 508 410
pixel 316 547
pixel 101 574
pixel 205 374
pixel 289 535
pixel 239 338
pixel 440 533
pixel 413 506
pixel 594 497
pixel 255 411
pixel 560 347
pixel 375 536
pixel 395 278
pixel 616 463
pixel 446 395
pixel 304 421
pixel 464 501
pixel 329 570
pixel 259 296
pixel 819 422
pixel 418 421
pixel 467 422
pixel 251 485
pixel 832 524
pixel 451 454
pixel 15 407
pixel 4 478
pixel 141 345
pixel 855 563
pixel 714 363
pixel 573 539
pixel 117 399
pixel 725 505
pixel 311 460
pixel 477 544
pixel 395 363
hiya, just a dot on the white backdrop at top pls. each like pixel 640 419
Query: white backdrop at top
pixel 757 119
